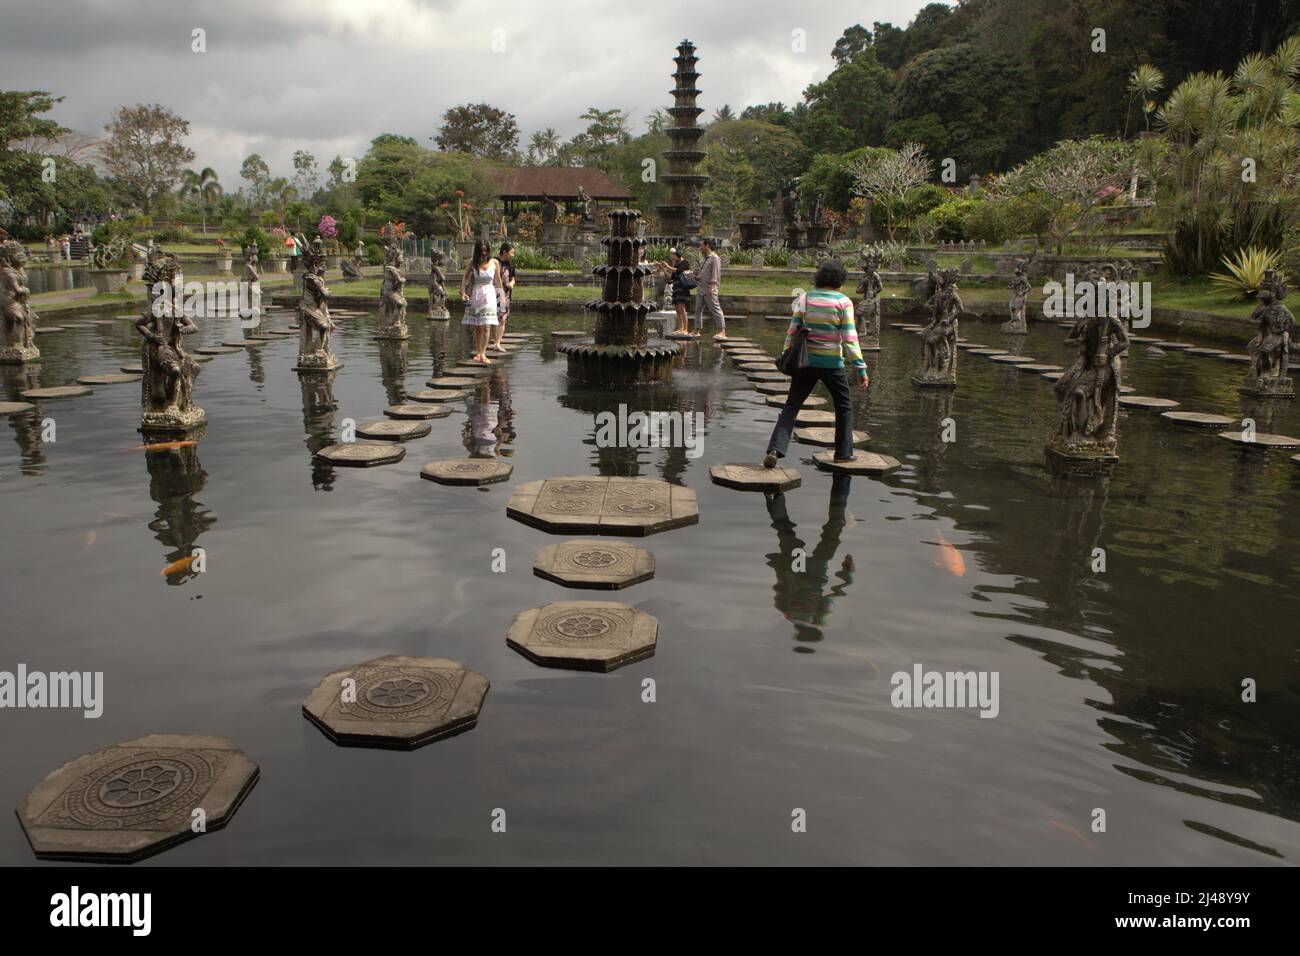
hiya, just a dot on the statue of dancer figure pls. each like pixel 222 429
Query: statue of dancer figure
pixel 17 320
pixel 1270 348
pixel 868 308
pixel 315 352
pixel 1018 324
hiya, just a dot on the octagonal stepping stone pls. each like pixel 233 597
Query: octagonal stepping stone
pixel 1261 440
pixel 14 408
pixel 757 367
pixel 467 471
pixel 136 798
pixel 111 378
pixel 730 344
pixel 741 358
pixel 397 702
pixel 567 333
pixel 49 328
pixel 131 369
pixel 391 429
pixel 438 395
pixel 217 350
pixel 863 463
pixel 1173 346
pixel 746 477
pixel 1012 359
pixel 452 381
pixel 584 635
pixel 57 391
pixel 417 410
pixel 1148 403
pixel 597 565
pixel 362 454
pixel 1197 419
pixel 617 506
pixel 1211 353
pixel 281 332
pixel 769 376
pixel 1037 367
pixel 1127 389
pixel 812 401
pixel 772 388
pixel 812 417
pixel 239 344
pixel 1053 376
pixel 680 335
pixel 988 352
pixel 1143 339
pixel 1295 459
pixel 826 436
pixel 970 346
pixel 904 325
pixel 1234 358
pixel 474 371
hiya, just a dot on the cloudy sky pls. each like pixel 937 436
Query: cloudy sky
pixel 329 75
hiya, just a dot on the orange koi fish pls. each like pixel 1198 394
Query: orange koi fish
pixel 183 564
pixel 164 446
pixel 950 558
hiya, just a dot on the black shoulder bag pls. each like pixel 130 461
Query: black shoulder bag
pixel 796 356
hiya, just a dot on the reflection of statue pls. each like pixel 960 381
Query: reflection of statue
pixel 939 338
pixel 868 308
pixel 805 595
pixel 175 477
pixel 319 407
pixel 167 406
pixel 1269 349
pixel 17 320
pixel 437 288
pixel 314 349
pixel 1088 396
pixel 392 301
pixel 1019 286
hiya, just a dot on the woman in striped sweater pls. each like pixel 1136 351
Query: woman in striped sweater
pixel 832 337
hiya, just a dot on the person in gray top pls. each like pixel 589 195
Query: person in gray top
pixel 709 276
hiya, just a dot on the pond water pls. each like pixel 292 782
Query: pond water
pixel 1118 690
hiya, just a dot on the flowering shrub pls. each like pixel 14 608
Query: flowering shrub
pixel 328 227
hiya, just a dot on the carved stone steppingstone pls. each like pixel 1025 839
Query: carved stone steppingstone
pixel 111 378
pixel 863 463
pixel 1235 359
pixel 1173 346
pixel 781 388
pixel 1037 367
pixel 452 381
pixel 584 635
pixel 988 351
pixel 597 565
pixel 1207 352
pixel 568 334
pixel 57 391
pixel 467 471
pixel 438 395
pixel 136 798
pixel 131 369
pixel 216 350
pixel 398 703
pixel 1261 440
pixel 754 367
pixel 746 477
pixel 1012 359
pixel 971 346
pixel 811 417
pixel 15 408
pixel 826 436
pixel 417 410
pixel 1147 403
pixel 615 506
pixel 392 429
pixel 362 454
pixel 239 344
pixel 1053 376
pixel 1197 419
pixel 48 329
pixel 812 401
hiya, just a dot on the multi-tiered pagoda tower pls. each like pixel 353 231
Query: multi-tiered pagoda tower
pixel 685 152
pixel 620 353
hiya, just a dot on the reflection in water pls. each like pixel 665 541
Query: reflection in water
pixel 489 427
pixel 256 370
pixel 318 408
pixel 438 346
pixel 26 425
pixel 175 477
pixel 801 591
pixel 392 369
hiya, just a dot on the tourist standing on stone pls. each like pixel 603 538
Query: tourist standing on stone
pixel 709 277
pixel 480 286
pixel 506 266
pixel 827 314
pixel 683 282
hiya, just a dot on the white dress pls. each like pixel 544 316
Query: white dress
pixel 481 309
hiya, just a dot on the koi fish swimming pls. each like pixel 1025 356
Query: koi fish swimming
pixel 164 446
pixel 950 558
pixel 182 564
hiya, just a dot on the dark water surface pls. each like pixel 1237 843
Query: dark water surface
pixel 1119 690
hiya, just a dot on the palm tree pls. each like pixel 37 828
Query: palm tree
pixel 542 145
pixel 1143 83
pixel 201 187
pixel 724 114
pixel 280 193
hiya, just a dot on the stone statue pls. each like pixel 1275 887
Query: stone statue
pixel 392 301
pixel 588 210
pixel 17 320
pixel 166 393
pixel 253 278
pixel 1087 397
pixel 927 286
pixel 314 350
pixel 1019 286
pixel 759 261
pixel 550 210
pixel 868 309
pixel 694 212
pixel 437 287
pixel 939 338
pixel 818 213
pixel 1270 349
pixel 351 271
pixel 453 259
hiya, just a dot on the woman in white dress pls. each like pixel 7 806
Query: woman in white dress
pixel 479 288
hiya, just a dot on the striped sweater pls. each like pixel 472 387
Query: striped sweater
pixel 832 332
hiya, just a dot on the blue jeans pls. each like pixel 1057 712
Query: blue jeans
pixel 801 385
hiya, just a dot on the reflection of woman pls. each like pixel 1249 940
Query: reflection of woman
pixel 481 429
pixel 479 288
pixel 801 592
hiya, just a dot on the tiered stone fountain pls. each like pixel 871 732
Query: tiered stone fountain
pixel 685 154
pixel 620 353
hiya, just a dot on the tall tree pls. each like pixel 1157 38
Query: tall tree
pixel 479 129
pixel 145 152
pixel 542 146
pixel 21 185
pixel 306 173
pixel 257 174
pixel 852 42
pixel 202 187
